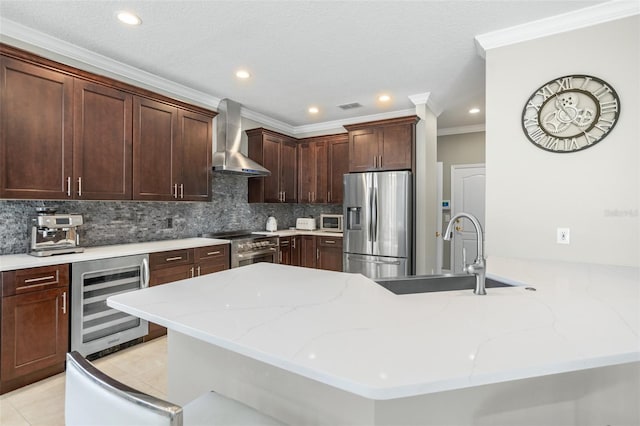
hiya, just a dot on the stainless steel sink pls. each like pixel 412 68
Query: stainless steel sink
pixel 430 283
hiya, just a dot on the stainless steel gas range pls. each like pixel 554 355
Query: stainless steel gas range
pixel 248 248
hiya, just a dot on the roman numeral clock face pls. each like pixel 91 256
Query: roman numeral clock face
pixel 570 113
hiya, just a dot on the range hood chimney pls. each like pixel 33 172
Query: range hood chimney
pixel 227 158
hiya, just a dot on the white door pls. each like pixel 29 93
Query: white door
pixel 467 195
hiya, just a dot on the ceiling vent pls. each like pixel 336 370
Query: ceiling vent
pixel 351 105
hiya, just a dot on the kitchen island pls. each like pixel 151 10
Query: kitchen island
pixel 319 347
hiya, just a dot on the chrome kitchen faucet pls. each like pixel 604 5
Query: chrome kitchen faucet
pixel 479 266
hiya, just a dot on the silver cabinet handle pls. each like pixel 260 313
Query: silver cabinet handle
pixel 192 272
pixel 80 187
pixel 211 253
pixel 33 280
pixel 64 302
pixel 145 273
pixel 182 190
pixel 68 186
pixel 175 190
pixel 375 161
pixel 171 259
pixel 328 196
pixel 317 253
pixel 329 242
pixel 198 270
pixel 380 161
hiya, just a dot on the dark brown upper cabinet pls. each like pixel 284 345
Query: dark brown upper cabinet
pixel 278 154
pixel 70 134
pixel 382 145
pixel 36 137
pixel 102 148
pixel 322 161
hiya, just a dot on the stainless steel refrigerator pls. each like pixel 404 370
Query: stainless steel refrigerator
pixel 378 218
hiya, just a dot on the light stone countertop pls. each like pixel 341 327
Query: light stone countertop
pixel 289 232
pixel 20 261
pixel 346 331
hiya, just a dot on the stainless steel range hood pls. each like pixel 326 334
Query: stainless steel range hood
pixel 227 158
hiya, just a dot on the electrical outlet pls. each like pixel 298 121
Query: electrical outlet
pixel 563 236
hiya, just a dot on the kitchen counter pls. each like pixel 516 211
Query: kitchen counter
pixel 349 333
pixel 20 261
pixel 289 232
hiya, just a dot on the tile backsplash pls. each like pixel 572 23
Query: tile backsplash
pixel 121 222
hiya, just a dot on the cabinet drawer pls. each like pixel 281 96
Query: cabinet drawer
pixel 34 279
pixel 167 259
pixel 210 253
pixel 330 241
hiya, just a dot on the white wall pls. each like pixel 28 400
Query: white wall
pixel 594 192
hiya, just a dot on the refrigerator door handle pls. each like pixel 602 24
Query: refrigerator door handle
pixel 371 213
pixel 374 215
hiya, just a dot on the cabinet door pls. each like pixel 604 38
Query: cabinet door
pixel 321 168
pixel 195 167
pixel 102 147
pixel 289 171
pixel 338 154
pixel 212 259
pixel 35 332
pixel 36 135
pixel 271 161
pixel 363 150
pixel 295 250
pixel 330 253
pixel 307 172
pixel 396 147
pixel 155 166
pixel 308 254
pixel 285 250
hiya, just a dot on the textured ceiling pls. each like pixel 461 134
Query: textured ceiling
pixel 300 53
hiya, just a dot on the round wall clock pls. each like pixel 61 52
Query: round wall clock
pixel 570 113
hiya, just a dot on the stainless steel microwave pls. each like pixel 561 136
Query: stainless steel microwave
pixel 331 222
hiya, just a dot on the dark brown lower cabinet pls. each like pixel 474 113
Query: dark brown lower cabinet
pixel 329 253
pixel 312 251
pixel 169 266
pixel 34 335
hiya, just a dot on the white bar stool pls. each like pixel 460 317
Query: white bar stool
pixel 93 398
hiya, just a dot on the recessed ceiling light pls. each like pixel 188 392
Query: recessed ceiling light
pixel 384 98
pixel 129 18
pixel 474 110
pixel 313 110
pixel 243 74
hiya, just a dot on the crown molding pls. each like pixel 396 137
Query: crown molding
pixel 62 51
pixel 565 22
pixel 66 50
pixel 461 129
pixel 425 98
pixel 332 125
pixel 268 121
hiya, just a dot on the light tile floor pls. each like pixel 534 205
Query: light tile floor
pixel 143 367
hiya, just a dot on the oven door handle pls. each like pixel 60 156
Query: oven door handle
pixel 256 253
pixel 145 273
